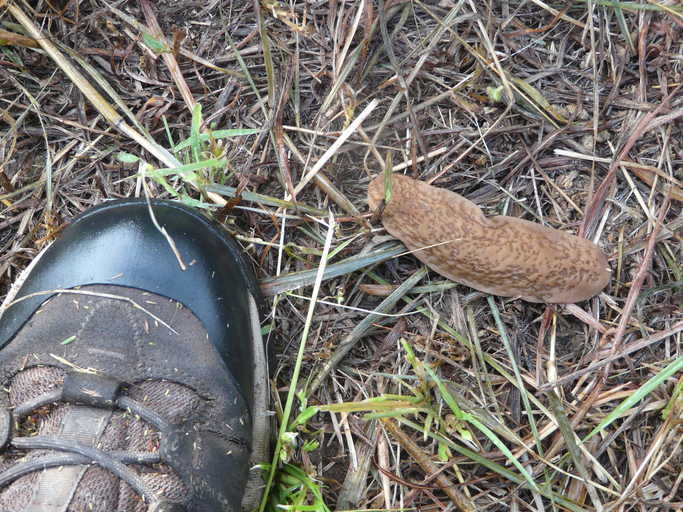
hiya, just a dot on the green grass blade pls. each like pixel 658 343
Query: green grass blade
pixel 495 467
pixel 469 418
pixel 195 139
pixel 647 388
pixel 289 404
pixel 518 376
pixel 188 168
pixel 216 134
pixel 294 280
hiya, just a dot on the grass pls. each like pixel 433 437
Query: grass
pixel 393 389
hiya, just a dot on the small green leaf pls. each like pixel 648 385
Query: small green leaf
pixel 465 434
pixel 495 94
pixel 289 438
pixel 155 45
pixel 126 158
pixel 538 99
pixel 304 416
pixel 310 446
pixel 675 405
pixel 387 178
pixel 444 452
pixel 68 340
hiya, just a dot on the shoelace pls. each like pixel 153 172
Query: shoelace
pixel 96 391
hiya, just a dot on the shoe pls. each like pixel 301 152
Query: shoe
pixel 127 383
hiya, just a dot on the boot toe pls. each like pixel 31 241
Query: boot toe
pixel 118 243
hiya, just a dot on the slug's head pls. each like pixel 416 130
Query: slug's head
pixel 377 191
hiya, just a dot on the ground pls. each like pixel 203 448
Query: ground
pixel 566 114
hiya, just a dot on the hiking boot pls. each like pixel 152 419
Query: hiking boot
pixel 133 375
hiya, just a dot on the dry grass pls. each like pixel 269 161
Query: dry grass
pixel 570 114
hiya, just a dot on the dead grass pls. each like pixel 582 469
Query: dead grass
pixel 570 114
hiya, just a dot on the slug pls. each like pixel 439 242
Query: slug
pixel 500 255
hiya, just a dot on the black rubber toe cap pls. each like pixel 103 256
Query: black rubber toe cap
pixel 117 243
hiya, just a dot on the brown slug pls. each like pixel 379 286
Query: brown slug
pixel 500 255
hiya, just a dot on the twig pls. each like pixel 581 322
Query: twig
pixel 458 498
pixel 356 334
pixel 168 56
pixel 629 349
pixel 637 283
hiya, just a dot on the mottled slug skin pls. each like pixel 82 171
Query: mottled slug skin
pixel 500 255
